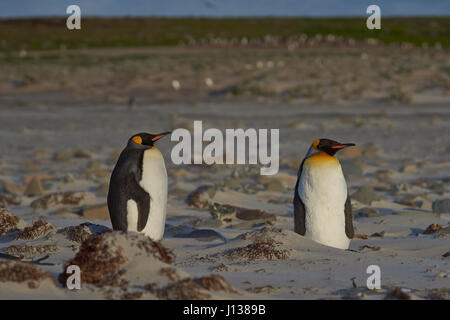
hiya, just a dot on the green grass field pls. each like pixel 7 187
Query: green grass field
pixel 51 33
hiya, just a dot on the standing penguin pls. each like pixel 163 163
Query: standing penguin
pixel 137 196
pixel 322 206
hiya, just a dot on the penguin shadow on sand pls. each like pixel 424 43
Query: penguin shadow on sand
pixel 203 235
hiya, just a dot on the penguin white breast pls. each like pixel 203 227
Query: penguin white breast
pixel 323 191
pixel 154 182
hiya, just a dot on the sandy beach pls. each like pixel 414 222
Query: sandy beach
pixel 56 162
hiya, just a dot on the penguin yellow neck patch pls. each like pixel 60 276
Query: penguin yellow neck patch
pixel 137 139
pixel 322 158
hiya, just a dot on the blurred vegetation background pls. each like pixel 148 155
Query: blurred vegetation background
pixel 51 33
pixel 132 61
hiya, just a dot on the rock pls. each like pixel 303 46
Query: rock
pixel 41 154
pixel 399 294
pixel 409 168
pixel 444 232
pixel 415 201
pixel 40 176
pixel 96 170
pixel 222 211
pixel 232 183
pixel 367 212
pixel 7 200
pixel 61 199
pixel 13 188
pixel 10 222
pixel 202 197
pixel 39 229
pixel 432 228
pixel 83 231
pixel 275 185
pixel 25 250
pixel 34 188
pixel 195 288
pixel 383 175
pixel 96 213
pixel 351 153
pixel 365 195
pixel 81 153
pixel 24 273
pixel 63 156
pixel 31 166
pixel 378 234
pixel 254 214
pixel 441 206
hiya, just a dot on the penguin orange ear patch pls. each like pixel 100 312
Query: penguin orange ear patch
pixel 137 139
pixel 315 143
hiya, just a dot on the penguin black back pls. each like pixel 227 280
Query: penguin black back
pixel 125 183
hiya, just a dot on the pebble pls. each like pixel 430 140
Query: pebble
pixel 383 175
pixel 222 211
pixel 34 188
pixel 31 166
pixel 408 168
pixel 366 195
pixel 61 199
pixel 232 183
pixel 12 188
pixel 96 212
pixel 275 185
pixel 254 214
pixel 63 156
pixel 81 153
pixel 441 206
pixel 7 200
pixel 202 196
pixel 367 212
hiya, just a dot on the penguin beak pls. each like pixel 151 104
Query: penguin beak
pixel 159 136
pixel 343 145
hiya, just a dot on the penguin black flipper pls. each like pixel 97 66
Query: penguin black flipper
pixel 123 187
pixel 349 218
pixel 299 207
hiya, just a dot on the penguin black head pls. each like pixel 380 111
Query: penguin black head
pixel 146 139
pixel 329 146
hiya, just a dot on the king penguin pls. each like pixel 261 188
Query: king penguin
pixel 137 196
pixel 322 206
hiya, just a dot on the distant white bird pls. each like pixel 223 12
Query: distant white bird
pixel 209 82
pixel 176 85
